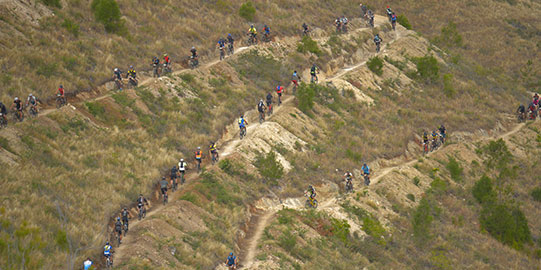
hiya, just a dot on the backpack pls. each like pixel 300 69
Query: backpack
pixel 393 18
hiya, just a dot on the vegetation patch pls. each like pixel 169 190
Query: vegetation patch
pixel 108 13
pixel 427 68
pixel 449 36
pixel 307 44
pixel 269 167
pixel 247 11
pixel 536 193
pixel 454 169
pixel 402 20
pixel 375 64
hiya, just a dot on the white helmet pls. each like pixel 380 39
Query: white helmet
pixel 16 98
pixel 116 69
pixel 181 160
pixel 198 148
pixel 30 95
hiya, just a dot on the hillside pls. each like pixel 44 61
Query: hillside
pixel 75 167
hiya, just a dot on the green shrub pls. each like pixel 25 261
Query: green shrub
pixel 287 241
pixel 427 68
pixel 449 36
pixel 4 143
pixel 402 20
pixel 123 99
pixel 448 88
pixel 438 186
pixel 247 11
pixel 187 77
pixel 307 44
pixel 375 64
pixel 422 218
pixel 71 26
pixel 454 169
pixel 305 97
pixel 508 225
pixel 47 69
pixel 52 3
pixel 411 197
pixel 497 155
pixel 188 196
pixel 416 181
pixel 340 229
pixel 96 109
pixel 536 194
pixel 373 227
pixel 230 167
pixel 268 166
pixel 108 13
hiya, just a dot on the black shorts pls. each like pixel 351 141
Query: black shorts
pixel 279 94
pixel 164 190
pixel 269 103
pixel 173 176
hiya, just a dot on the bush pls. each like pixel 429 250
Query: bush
pixel 483 190
pixel 307 44
pixel 422 218
pixel 287 241
pixel 340 229
pixel 305 97
pixel 508 225
pixel 268 166
pixel 536 194
pixel 230 167
pixel 427 68
pixel 375 64
pixel 4 143
pixel 52 3
pixel 373 227
pixel 107 13
pixel 449 36
pixel 402 20
pixel 454 169
pixel 247 11
pixel 188 196
pixel 71 26
pixel 448 88
pixel 96 109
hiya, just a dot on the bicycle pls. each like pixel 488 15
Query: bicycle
pixel 310 202
pixel 60 101
pixel 3 121
pixel 108 262
pixel 156 70
pixel 132 82
pixel 222 53
pixel 125 227
pixel 174 184
pixel 33 111
pixel 142 212
pixel 230 50
pixel 252 40
pixel 18 115
pixel 366 179
pixel 425 148
pixel 269 111
pixel 198 160
pixel 394 25
pixel 182 177
pixel 215 157
pixel 521 117
pixel 261 117
pixel 118 236
pixel 349 186
pixel 166 68
pixel 378 47
pixel 193 62
pixel 119 84
pixel 266 37
pixel 165 197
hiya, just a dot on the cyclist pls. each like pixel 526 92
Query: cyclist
pixel 194 52
pixel 118 229
pixel 269 100
pixel 213 150
pixel 348 177
pixel 393 19
pixel 60 93
pixel 389 12
pixel 198 156
pixel 107 249
pixel 338 24
pixel 230 41
pixel 535 99
pixel 266 31
pixel 221 47
pixel 125 214
pixel 533 110
pixel 295 78
pixel 174 174
pixel 364 9
pixel 182 168
pixel 261 109
pixel 32 101
pixel 344 21
pixel 3 111
pixel 141 201
pixel 87 264
pixel 443 131
pixel 231 261
pixel 131 73
pixel 17 105
pixel 311 191
pixel 305 29
pixel 434 136
pixel 166 60
pixel 365 170
pixel 371 17
pixel 377 41
pixel 425 138
pixel 242 123
pixel 253 32
pixel 163 186
pixel 521 111
pixel 313 73
pixel 279 90
pixel 117 74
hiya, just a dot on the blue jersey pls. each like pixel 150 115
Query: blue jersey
pixel 242 122
pixel 231 260
pixel 87 264
pixel 366 169
pixel 107 250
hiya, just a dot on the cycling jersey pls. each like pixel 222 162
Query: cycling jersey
pixel 313 70
pixel 231 260
pixel 174 172
pixel 107 250
pixel 166 59
pixel 132 73
pixel 230 39
pixel 212 147
pixel 124 215
pixel 163 184
pixel 182 166
pixel 279 89
pixel 87 264
pixel 18 105
pixel 61 91
pixel 118 75
pixel 393 18
pixel 366 169
pixel 194 52
pixel 3 108
pixel 269 99
pixel 348 176
pixel 252 30
pixel 118 226
pixel 198 154
pixel 434 136
pixel 242 123
pixel 260 106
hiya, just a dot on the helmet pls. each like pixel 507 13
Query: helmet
pixel 261 100
pixel 231 254
pixel 265 26
pixel 118 218
pixel 241 115
pixel 252 26
pixel 131 66
pixel 116 69
pixel 228 35
pixel 61 86
pixel 30 95
pixel 16 98
pixel 164 55
pixel 193 48
pixel 198 148
pixel 125 208
pixel 310 187
pixel 181 159
pixel 425 132
pixel 107 243
pixel 387 6
pixel 364 164
pixel 163 177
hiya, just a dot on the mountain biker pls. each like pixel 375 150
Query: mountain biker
pixel 338 24
pixel 521 111
pixel 60 92
pixel 305 28
pixel 221 47
pixel 107 250
pixel 163 186
pixel 87 264
pixel 166 60
pixel 198 155
pixel 313 72
pixel 131 73
pixel 117 74
pixel 434 135
pixel 3 111
pixel 377 40
pixel 266 31
pixel 389 12
pixel 230 39
pixel 425 138
pixel 252 32
pixel 174 173
pixel 17 105
pixel 182 167
pixel 279 90
pixel 194 52
pixel 295 78
pixel 344 21
pixel 311 191
pixel 125 214
pixel 365 170
pixel 261 108
pixel 443 131
pixel 269 99
pixel 364 9
pixel 533 110
pixel 231 261
pixel 242 122
pixel 213 149
pixel 118 228
pixel 370 15
pixel 141 201
pixel 32 101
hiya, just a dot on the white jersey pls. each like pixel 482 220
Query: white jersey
pixel 182 166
